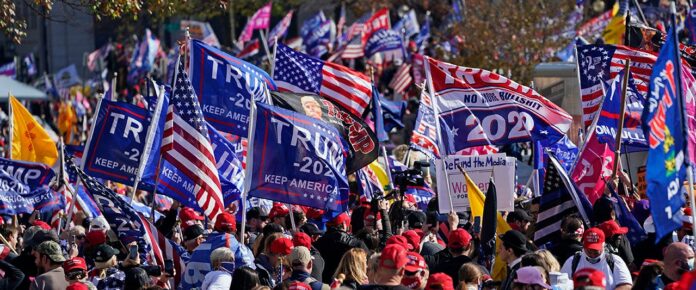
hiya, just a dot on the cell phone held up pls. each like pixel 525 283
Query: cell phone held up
pixel 133 252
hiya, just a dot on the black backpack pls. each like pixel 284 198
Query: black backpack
pixel 576 261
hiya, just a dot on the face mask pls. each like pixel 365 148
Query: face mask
pixel 595 260
pixel 690 262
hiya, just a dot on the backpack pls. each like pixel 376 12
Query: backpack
pixel 576 261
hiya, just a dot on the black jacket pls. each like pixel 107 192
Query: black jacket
pixel 317 264
pixel 451 267
pixel 332 246
pixel 13 276
pixel 565 249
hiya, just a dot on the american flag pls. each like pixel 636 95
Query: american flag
pixel 353 49
pixel 424 136
pixel 601 63
pixel 281 28
pixel 186 145
pixel 559 199
pixel 402 79
pixel 299 73
pixel 164 249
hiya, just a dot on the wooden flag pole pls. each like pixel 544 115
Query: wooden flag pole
pixel 622 112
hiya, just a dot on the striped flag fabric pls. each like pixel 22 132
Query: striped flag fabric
pixel 162 249
pixel 601 63
pixel 341 23
pixel 424 137
pixel 186 145
pixel 299 73
pixel 353 49
pixel 281 28
pixel 402 79
pixel 559 199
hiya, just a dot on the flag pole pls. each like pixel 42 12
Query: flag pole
pixel 622 111
pixel 149 138
pixel 249 163
pixel 682 107
pixel 265 45
pixel 113 87
pixel 431 92
pixel 84 159
pixel 292 217
pixel 273 60
pixel 11 127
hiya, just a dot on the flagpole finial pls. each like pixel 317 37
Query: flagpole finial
pixel 187 33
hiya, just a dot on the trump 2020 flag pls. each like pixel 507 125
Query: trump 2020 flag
pixel 479 107
pixel 665 168
pixel 30 173
pixel 607 124
pixel 281 28
pixel 298 160
pixel 299 73
pixel 408 24
pixel 225 85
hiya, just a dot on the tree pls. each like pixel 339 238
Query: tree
pixel 154 10
pixel 512 35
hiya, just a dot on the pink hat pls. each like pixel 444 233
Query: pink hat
pixel 531 275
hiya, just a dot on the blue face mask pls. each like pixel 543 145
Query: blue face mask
pixel 227 267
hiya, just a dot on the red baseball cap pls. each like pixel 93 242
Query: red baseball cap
pixel 393 257
pixel 410 198
pixel 95 237
pixel 612 228
pixel 282 246
pixel 439 281
pixel 188 214
pixel 224 222
pixel 458 239
pixel 593 239
pixel 413 239
pixel 399 240
pixel 278 210
pixel 77 286
pixel 314 213
pixel 74 264
pixel 297 285
pixel 587 277
pixel 415 262
pixel 302 239
pixel 340 219
pixel 42 225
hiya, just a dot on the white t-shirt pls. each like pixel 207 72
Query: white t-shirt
pixel 217 280
pixel 621 275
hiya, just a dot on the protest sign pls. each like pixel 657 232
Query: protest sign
pixel 480 168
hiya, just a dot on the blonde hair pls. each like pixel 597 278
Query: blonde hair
pixel 220 255
pixel 353 265
pixel 549 260
pixel 469 273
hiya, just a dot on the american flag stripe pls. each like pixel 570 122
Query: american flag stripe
pixel 641 68
pixel 186 145
pixel 300 73
pixel 402 79
pixel 161 249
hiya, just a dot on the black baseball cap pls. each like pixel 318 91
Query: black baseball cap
pixel 514 239
pixel 104 252
pixel 193 231
pixel 311 229
pixel 519 215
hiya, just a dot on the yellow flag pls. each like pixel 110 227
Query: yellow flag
pixel 614 32
pixel 379 172
pixel 29 140
pixel 67 119
pixel 476 201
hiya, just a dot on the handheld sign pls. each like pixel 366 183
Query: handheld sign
pixel 225 85
pixel 298 160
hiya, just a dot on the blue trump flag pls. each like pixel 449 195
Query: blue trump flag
pixel 409 25
pixel 30 173
pixel 178 186
pixel 607 124
pixel 386 41
pixel 378 116
pixel 565 151
pixel 117 143
pixel 665 168
pixel 317 42
pixel 298 160
pixel 225 85
pixel 393 112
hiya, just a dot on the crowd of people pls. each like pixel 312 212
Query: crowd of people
pixel 289 247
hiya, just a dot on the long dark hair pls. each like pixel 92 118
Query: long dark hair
pixel 244 278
